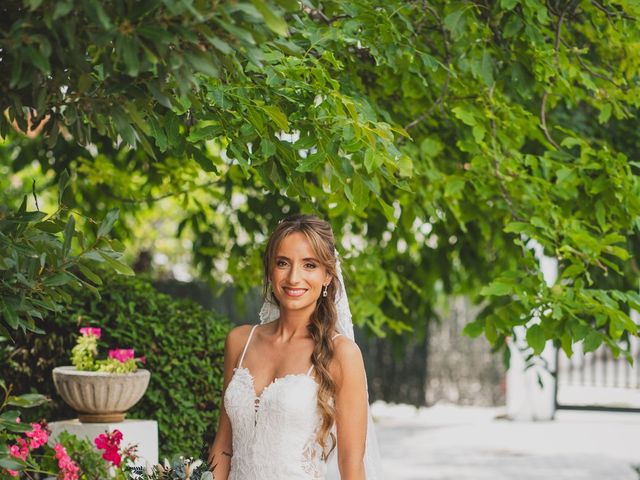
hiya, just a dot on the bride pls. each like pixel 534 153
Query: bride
pixel 295 389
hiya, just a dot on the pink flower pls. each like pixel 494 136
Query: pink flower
pixel 21 450
pixel 88 331
pixel 110 442
pixel 122 354
pixel 68 468
pixel 38 436
pixel 18 420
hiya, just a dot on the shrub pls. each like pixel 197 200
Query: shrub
pixel 182 342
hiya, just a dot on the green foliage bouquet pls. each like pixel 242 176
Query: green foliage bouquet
pixel 83 355
pixel 181 468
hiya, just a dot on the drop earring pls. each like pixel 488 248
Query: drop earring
pixel 325 289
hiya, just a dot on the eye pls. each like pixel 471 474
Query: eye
pixel 310 265
pixel 281 263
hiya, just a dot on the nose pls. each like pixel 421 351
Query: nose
pixel 294 274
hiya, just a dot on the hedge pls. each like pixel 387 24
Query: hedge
pixel 182 342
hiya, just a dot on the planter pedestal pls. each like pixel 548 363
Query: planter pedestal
pixel 144 433
pixel 100 397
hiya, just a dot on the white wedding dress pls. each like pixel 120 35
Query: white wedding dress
pixel 274 432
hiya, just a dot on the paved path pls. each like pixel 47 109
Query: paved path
pixel 469 443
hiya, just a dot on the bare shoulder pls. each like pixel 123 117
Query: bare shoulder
pixel 236 338
pixel 347 356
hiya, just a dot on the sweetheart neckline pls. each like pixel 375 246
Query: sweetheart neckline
pixel 273 382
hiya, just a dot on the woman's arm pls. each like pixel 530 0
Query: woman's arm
pixel 351 409
pixel 221 451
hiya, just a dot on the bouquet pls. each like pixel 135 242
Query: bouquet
pixel 180 469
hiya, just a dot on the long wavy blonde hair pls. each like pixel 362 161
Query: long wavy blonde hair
pixel 323 319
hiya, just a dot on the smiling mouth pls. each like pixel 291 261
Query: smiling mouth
pixel 294 292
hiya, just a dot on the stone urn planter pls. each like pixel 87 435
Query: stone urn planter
pixel 100 397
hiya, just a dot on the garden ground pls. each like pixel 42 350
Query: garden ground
pixel 470 443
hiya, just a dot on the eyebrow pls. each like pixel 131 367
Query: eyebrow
pixel 306 259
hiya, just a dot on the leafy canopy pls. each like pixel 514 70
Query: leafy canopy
pixel 444 140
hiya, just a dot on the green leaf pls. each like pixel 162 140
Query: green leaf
pixel 512 27
pixel 360 193
pixel 206 132
pixel 431 147
pixel 573 270
pixel 310 163
pixel 490 331
pixel 387 210
pixel 455 23
pixel 107 224
pixel 69 231
pixel 62 9
pixel 536 338
pixel 474 329
pixel 277 116
pixel 605 113
pixel 10 316
pixel 89 274
pixel 486 69
pixel 97 13
pixel 61 278
pixel 497 288
pixel 509 4
pixel 405 166
pixel 63 182
pixel 372 159
pixel 519 227
pixel 203 63
pixel 116 265
pixel 12 463
pixel 40 60
pixel 204 161
pixel 27 400
pixel 464 114
pixel 592 341
pixel 129 50
pixel 271 20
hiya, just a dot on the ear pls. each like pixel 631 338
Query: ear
pixel 327 279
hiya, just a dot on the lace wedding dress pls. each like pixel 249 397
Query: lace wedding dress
pixel 274 432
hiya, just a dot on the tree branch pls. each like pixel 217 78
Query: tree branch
pixel 445 86
pixel 496 164
pixel 610 14
pixel 543 121
pixel 556 48
pixel 317 14
pixel 161 197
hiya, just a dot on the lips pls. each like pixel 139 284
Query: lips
pixel 294 292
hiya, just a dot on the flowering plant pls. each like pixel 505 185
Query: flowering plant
pixel 110 443
pixel 24 450
pixel 23 447
pixel 83 355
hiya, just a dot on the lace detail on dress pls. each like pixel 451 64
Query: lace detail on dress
pixel 312 458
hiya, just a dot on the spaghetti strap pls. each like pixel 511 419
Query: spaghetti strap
pixel 311 367
pixel 246 345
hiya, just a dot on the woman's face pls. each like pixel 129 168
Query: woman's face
pixel 297 276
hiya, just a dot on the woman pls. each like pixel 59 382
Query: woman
pixel 295 387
